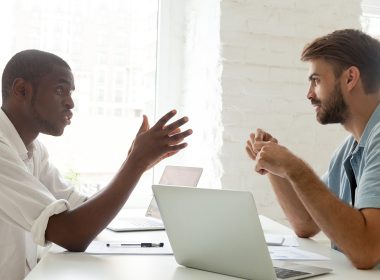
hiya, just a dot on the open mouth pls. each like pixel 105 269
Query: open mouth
pixel 67 118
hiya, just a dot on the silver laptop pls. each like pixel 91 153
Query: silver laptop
pixel 220 231
pixel 172 175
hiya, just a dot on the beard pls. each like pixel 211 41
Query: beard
pixel 334 109
pixel 46 126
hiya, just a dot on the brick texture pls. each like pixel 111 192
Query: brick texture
pixel 264 84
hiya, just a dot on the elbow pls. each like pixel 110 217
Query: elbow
pixel 365 256
pixel 79 248
pixel 364 265
pixel 364 262
pixel 305 229
pixel 305 232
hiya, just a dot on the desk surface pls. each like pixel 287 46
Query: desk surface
pixel 64 266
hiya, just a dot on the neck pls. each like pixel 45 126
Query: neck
pixel 360 111
pixel 21 124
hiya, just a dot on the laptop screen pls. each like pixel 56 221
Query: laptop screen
pixel 175 175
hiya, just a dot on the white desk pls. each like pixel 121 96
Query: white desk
pixel 69 266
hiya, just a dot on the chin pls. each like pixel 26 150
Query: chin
pixel 54 132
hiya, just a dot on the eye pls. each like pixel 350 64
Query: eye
pixel 59 91
pixel 63 91
pixel 314 81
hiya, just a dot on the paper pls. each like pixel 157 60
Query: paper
pixel 274 239
pixel 101 248
pixel 281 240
pixel 292 253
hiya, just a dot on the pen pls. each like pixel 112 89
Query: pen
pixel 161 244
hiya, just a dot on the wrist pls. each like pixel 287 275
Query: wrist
pixel 297 170
pixel 134 164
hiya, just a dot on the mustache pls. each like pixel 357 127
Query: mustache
pixel 316 102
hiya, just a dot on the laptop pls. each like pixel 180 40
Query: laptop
pixel 220 231
pixel 172 175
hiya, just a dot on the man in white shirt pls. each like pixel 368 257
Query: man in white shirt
pixel 36 205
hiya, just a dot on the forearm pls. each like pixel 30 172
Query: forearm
pixel 301 221
pixel 345 226
pixel 76 228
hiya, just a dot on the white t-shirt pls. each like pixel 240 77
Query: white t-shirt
pixel 31 190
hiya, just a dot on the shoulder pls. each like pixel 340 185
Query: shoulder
pixel 374 136
pixel 7 150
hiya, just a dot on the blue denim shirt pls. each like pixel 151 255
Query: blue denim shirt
pixel 365 161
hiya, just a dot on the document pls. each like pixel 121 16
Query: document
pixel 106 248
pixel 294 254
pixel 281 240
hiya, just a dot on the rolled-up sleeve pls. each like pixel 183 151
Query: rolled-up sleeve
pixel 25 202
pixel 39 226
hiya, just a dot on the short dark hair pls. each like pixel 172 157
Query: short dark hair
pixel 346 48
pixel 30 65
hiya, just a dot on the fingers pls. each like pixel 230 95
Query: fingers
pixel 256 141
pixel 261 171
pixel 254 148
pixel 144 125
pixel 175 148
pixel 250 152
pixel 175 125
pixel 260 135
pixel 179 137
pixel 259 168
pixel 171 133
pixel 175 131
pixel 173 128
pixel 161 122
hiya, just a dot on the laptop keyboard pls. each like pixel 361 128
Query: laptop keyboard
pixel 283 273
pixel 144 222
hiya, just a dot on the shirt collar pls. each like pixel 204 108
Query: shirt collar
pixel 10 134
pixel 373 120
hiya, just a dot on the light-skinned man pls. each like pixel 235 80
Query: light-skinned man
pixel 344 75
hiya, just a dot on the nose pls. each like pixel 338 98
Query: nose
pixel 311 93
pixel 69 102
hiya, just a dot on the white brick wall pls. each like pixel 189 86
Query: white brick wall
pixel 264 84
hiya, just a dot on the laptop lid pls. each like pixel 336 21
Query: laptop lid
pixel 175 175
pixel 216 230
pixel 172 175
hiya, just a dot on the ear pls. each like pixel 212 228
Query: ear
pixel 20 88
pixel 352 77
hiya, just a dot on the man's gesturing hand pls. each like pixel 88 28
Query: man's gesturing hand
pixel 151 145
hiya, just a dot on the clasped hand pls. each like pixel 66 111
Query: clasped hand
pixel 270 157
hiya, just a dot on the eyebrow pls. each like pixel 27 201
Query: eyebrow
pixel 64 81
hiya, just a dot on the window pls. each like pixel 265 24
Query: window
pixel 111 48
pixel 370 19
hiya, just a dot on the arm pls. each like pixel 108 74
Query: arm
pixel 300 219
pixel 75 229
pixel 356 232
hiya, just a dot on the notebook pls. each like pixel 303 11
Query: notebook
pixel 172 175
pixel 220 231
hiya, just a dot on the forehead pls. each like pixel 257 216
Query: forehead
pixel 58 75
pixel 320 67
